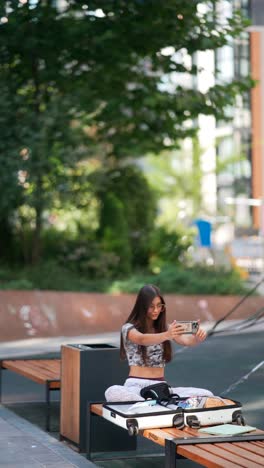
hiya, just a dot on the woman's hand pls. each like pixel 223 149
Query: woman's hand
pixel 186 339
pixel 175 329
pixel 200 335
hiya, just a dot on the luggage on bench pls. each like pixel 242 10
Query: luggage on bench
pixel 176 412
pixel 211 411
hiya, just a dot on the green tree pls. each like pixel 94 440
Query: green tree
pixel 128 185
pixel 93 80
pixel 114 233
pixel 176 177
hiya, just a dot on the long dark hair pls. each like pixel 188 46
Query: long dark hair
pixel 138 317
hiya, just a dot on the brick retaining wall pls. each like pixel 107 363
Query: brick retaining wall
pixel 26 314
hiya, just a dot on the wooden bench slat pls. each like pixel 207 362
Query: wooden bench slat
pixel 55 385
pixel 26 372
pixel 246 459
pixel 251 447
pixel 47 366
pixel 215 449
pixel 50 362
pixel 243 453
pixel 44 372
pixel 259 443
pixel 35 371
pixel 38 362
pixel 190 451
pixel 231 454
pixel 156 435
pixel 97 408
pixel 42 367
pixel 53 364
pixel 41 373
pixel 53 369
pixel 198 454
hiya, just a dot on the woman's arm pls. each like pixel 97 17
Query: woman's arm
pixel 149 339
pixel 191 340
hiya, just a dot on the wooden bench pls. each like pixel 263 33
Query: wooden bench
pixel 42 371
pixel 229 452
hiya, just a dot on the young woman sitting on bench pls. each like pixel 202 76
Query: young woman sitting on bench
pixel 146 344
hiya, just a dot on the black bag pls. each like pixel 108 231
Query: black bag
pixel 158 391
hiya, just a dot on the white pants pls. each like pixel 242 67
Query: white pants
pixel 130 391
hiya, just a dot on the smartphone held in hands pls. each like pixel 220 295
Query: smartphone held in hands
pixel 190 326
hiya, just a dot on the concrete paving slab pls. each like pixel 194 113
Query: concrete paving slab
pixel 24 445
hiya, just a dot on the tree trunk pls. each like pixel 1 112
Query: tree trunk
pixel 6 240
pixel 36 241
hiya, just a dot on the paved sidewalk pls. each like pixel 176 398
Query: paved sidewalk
pixel 35 346
pixel 23 445
pixel 40 346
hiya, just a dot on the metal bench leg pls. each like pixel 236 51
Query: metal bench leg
pixel 88 432
pixel 47 407
pixel 170 454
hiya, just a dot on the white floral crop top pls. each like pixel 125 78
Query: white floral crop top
pixel 154 353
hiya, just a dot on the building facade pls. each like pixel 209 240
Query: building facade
pixel 256 31
pixel 233 181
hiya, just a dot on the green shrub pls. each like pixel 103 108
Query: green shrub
pixel 175 280
pixel 17 284
pixel 179 280
pixel 50 275
pixel 88 259
pixel 169 247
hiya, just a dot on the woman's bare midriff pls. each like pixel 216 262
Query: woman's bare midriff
pixel 146 372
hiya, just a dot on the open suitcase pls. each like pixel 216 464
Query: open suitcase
pixel 147 414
